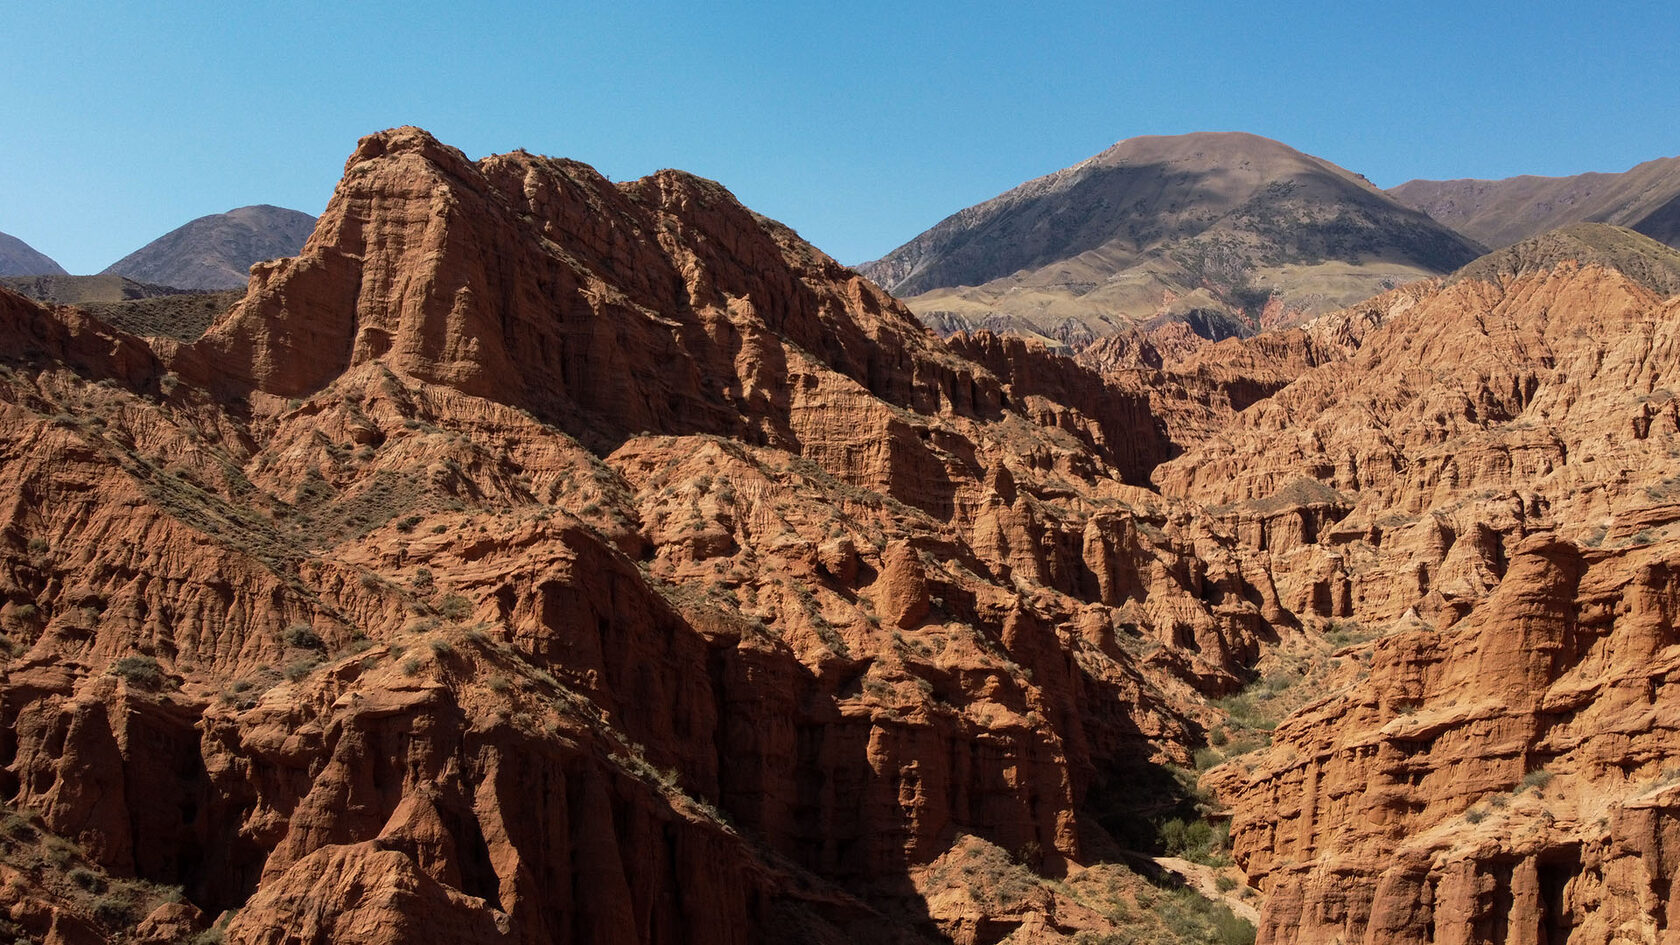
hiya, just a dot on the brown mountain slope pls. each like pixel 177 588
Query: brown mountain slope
pixel 1501 212
pixel 18 258
pixel 217 251
pixel 1214 229
pixel 534 558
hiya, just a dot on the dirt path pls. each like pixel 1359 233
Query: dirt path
pixel 1205 880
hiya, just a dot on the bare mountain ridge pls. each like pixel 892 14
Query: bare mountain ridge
pixel 138 307
pixel 1210 226
pixel 217 251
pixel 18 258
pixel 1654 265
pixel 1645 198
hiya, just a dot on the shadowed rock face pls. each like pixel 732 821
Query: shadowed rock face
pixel 216 251
pixel 1222 232
pixel 537 558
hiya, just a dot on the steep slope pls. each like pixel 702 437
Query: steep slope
pixel 536 558
pixel 1494 470
pixel 1501 212
pixel 1219 230
pixel 18 258
pixel 217 251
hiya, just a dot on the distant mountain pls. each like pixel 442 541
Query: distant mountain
pixel 1221 230
pixel 216 252
pixel 1502 212
pixel 1654 265
pixel 18 258
pixel 138 307
pixel 85 290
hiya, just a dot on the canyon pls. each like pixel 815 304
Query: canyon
pixel 533 557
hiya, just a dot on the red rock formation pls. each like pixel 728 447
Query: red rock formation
pixel 539 558
pixel 1503 773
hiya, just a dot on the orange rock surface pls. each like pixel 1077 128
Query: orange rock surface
pixel 537 558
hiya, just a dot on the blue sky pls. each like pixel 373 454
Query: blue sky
pixel 858 124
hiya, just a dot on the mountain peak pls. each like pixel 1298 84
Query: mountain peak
pixel 18 258
pixel 536 281
pixel 217 251
pixel 1212 226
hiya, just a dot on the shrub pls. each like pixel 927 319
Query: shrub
pixel 455 607
pixel 1195 840
pixel 141 672
pixel 114 911
pixel 19 828
pixel 304 637
pixel 407 524
pixel 423 579
pixel 300 668
pixel 410 666
pixel 1536 779
pixel 87 879
pixel 1475 815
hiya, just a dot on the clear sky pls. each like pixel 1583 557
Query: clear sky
pixel 859 124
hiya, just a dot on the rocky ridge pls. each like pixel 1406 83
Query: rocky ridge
pixel 406 600
pixel 407 597
pixel 1645 198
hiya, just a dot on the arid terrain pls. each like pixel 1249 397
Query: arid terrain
pixel 1224 232
pixel 1498 213
pixel 216 251
pixel 538 558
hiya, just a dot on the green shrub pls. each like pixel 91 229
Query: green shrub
pixel 304 637
pixel 141 672
pixel 114 911
pixel 1536 779
pixel 455 607
pixel 407 524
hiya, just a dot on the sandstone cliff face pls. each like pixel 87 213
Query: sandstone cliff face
pixel 1487 479
pixel 536 558
pixel 1509 780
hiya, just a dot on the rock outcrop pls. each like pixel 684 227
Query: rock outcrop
pixel 1488 481
pixel 539 558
